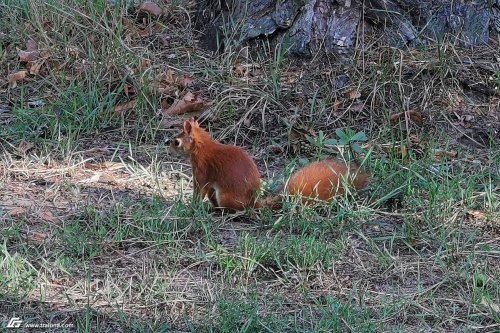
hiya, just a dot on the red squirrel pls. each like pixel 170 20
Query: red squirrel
pixel 321 180
pixel 225 173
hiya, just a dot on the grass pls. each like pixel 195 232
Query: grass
pixel 97 225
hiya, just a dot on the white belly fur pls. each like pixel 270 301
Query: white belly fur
pixel 217 193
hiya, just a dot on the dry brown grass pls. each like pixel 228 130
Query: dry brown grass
pixel 97 225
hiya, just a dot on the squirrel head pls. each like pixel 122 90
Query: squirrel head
pixel 185 141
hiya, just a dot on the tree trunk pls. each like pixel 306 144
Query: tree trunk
pixel 336 26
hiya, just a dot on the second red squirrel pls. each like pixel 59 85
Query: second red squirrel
pixel 226 174
pixel 321 180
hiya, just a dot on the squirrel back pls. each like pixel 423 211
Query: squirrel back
pixel 321 180
pixel 225 173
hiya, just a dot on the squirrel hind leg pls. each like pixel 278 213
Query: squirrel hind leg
pixel 230 202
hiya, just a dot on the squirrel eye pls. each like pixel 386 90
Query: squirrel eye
pixel 177 142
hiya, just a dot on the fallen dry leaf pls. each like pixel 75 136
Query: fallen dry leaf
pixel 189 103
pixel 170 76
pixel 47 26
pixel 336 105
pixel 24 146
pixel 144 64
pixel 135 30
pixel 466 120
pixel 45 54
pixel 275 149
pixel 32 52
pixel 120 108
pixel 31 45
pixel 186 82
pixel 400 150
pixel 167 80
pixel 47 215
pixel 25 56
pixel 150 8
pixel 353 93
pixel 415 116
pixel 129 90
pixel 17 211
pixel 108 179
pixel 164 88
pixel 34 67
pixel 239 69
pixel 95 166
pixel 14 78
pixel 476 214
pixel 37 236
pixel 439 154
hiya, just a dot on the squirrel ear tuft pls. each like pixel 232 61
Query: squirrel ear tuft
pixel 194 121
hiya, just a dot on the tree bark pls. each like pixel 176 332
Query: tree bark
pixel 336 26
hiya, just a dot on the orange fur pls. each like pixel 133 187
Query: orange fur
pixel 321 180
pixel 224 173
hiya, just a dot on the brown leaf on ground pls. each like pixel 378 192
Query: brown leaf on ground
pixel 239 69
pixel 45 54
pixel 476 214
pixel 108 179
pixel 467 120
pixel 47 26
pixel 17 211
pixel 276 150
pixel 34 67
pixel 25 56
pixel 353 93
pixel 144 64
pixel 24 146
pixel 47 215
pixel 188 103
pixel 31 45
pixel 400 150
pixel 150 8
pixel 129 90
pixel 336 105
pixel 135 30
pixel 167 81
pixel 164 88
pixel 32 52
pixel 120 108
pixel 439 154
pixel 169 76
pixel 456 104
pixel 94 166
pixel 37 236
pixel 186 82
pixel 14 78
pixel 415 116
